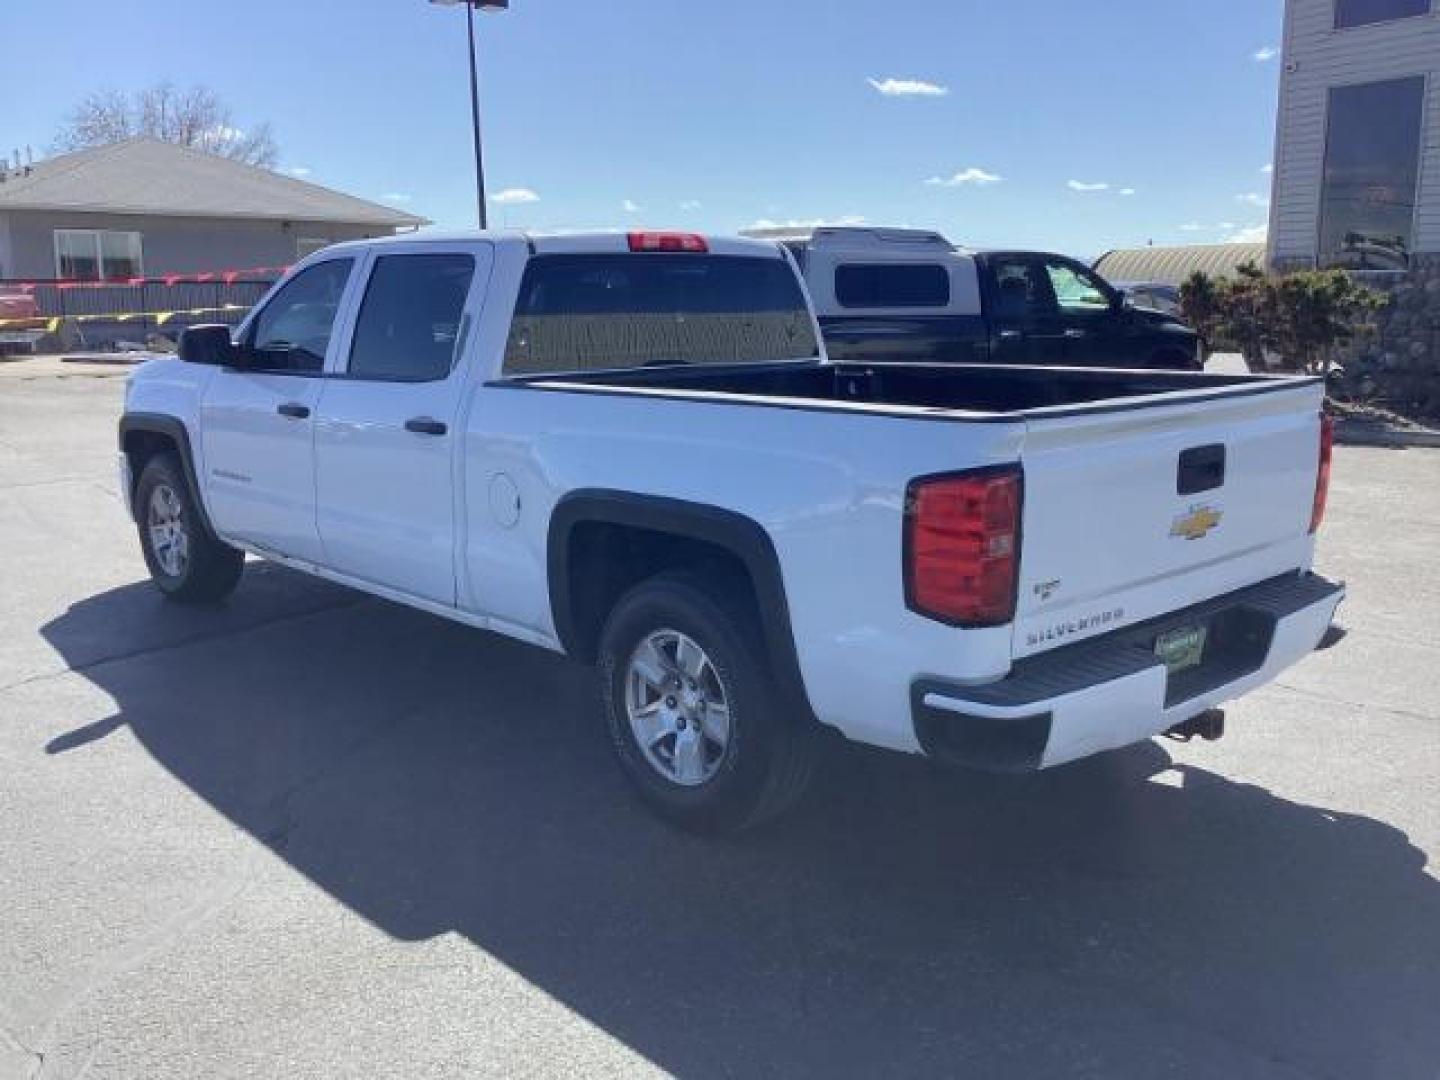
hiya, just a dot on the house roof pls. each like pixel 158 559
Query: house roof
pixel 147 176
pixel 1172 265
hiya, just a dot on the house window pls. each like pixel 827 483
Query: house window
pixel 1364 12
pixel 95 254
pixel 1372 163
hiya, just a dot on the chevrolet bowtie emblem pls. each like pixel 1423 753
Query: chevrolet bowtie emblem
pixel 1196 522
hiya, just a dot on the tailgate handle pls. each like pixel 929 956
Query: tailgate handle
pixel 1202 468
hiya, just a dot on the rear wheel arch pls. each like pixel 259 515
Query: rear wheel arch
pixel 602 542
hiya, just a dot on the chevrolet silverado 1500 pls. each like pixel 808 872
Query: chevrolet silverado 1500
pixel 634 450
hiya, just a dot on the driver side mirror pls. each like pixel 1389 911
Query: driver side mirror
pixel 208 344
pixel 1123 300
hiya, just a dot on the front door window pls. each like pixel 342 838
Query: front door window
pixel 1077 291
pixel 292 331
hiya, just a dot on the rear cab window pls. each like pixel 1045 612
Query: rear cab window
pixel 892 285
pixel 608 311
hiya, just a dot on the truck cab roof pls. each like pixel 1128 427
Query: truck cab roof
pixel 557 243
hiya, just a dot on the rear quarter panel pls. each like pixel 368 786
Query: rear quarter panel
pixel 827 485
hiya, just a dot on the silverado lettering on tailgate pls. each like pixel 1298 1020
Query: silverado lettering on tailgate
pixel 1114 616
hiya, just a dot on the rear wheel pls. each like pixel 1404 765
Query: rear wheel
pixel 695 717
pixel 186 561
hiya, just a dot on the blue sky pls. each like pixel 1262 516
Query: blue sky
pixel 995 121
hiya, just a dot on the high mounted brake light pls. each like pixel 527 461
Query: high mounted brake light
pixel 962 546
pixel 668 241
pixel 1322 473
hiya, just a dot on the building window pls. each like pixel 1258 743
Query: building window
pixel 1372 164
pixel 96 254
pixel 1364 12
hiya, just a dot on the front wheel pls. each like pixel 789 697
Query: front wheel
pixel 695 717
pixel 186 561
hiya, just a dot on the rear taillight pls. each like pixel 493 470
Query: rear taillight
pixel 668 241
pixel 962 546
pixel 1322 474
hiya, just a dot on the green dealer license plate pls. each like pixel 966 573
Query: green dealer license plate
pixel 1181 649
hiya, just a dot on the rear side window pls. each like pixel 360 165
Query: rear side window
pixel 409 323
pixel 593 312
pixel 888 285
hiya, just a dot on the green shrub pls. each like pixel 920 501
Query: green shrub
pixel 1301 318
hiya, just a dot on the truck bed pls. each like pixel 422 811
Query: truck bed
pixel 978 391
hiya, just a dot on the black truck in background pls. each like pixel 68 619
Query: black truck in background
pixel 907 294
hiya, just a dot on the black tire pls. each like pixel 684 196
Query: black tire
pixel 210 569
pixel 766 765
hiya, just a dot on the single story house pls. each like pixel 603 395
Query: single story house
pixel 145 208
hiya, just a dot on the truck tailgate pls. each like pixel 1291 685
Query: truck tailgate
pixel 1133 512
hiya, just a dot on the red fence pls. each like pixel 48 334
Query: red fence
pixel 102 312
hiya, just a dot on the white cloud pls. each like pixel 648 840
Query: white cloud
pixel 514 195
pixel 806 223
pixel 1251 198
pixel 690 204
pixel 1251 234
pixel 395 196
pixel 1081 185
pixel 1127 191
pixel 908 88
pixel 297 170
pixel 1265 55
pixel 1226 225
pixel 630 206
pixel 972 175
pixel 1267 169
pixel 1192 226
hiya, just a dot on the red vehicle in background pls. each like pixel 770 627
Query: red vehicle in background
pixel 20 325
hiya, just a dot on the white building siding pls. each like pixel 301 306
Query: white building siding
pixel 1316 57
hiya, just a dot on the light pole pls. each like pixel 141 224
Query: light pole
pixel 470 6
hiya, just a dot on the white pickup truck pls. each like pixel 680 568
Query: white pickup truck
pixel 633 449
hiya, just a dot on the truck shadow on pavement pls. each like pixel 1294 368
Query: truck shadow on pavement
pixel 1121 917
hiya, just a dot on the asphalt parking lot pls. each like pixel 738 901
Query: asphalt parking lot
pixel 314 834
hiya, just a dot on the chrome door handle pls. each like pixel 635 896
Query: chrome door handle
pixel 1074 333
pixel 294 410
pixel 424 425
pixel 1010 335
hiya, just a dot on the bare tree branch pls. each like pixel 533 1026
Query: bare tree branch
pixel 100 118
pixel 195 117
